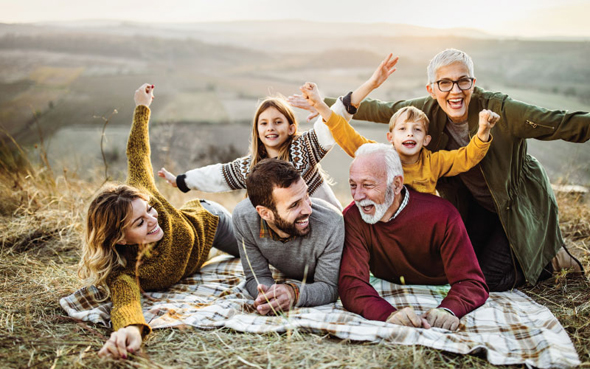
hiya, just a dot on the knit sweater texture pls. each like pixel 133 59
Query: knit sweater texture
pixel 426 243
pixel 314 257
pixel 188 236
pixel 422 175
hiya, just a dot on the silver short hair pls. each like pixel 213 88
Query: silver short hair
pixel 392 161
pixel 447 57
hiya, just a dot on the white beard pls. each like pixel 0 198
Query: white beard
pixel 380 209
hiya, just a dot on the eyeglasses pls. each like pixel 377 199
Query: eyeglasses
pixel 446 85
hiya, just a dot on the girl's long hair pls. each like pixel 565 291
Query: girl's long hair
pixel 105 226
pixel 257 149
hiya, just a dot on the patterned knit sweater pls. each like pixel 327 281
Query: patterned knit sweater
pixel 305 153
pixel 188 236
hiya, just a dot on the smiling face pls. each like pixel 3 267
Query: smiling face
pixel 142 225
pixel 408 137
pixel 454 103
pixel 373 196
pixel 273 130
pixel 292 210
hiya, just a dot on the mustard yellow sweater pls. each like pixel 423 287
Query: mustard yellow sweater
pixel 424 174
pixel 188 236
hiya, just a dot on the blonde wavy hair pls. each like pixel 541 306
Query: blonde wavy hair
pixel 106 221
pixel 257 149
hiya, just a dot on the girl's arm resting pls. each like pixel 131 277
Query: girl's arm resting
pixel 126 298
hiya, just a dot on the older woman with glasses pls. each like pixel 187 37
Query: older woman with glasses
pixel 506 201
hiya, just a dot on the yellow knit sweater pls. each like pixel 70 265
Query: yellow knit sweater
pixel 188 236
pixel 424 174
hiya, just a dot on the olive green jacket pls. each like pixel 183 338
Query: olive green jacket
pixel 518 183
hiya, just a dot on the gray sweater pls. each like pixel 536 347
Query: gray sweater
pixel 320 250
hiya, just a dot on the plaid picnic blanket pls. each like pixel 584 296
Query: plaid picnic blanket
pixel 509 328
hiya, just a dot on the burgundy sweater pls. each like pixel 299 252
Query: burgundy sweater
pixel 426 244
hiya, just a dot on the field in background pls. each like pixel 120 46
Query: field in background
pixel 60 82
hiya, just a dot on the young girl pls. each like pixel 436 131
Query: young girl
pixel 125 220
pixel 274 135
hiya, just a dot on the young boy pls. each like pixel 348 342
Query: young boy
pixel 408 132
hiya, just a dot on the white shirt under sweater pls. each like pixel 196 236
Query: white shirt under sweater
pixel 320 251
pixel 231 176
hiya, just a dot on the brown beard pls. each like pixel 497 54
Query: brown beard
pixel 290 228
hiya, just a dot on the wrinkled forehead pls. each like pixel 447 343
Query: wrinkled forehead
pixel 371 167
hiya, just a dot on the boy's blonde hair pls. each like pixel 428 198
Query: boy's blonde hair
pixel 106 221
pixel 257 149
pixel 414 115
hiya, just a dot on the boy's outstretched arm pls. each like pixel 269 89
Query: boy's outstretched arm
pixel 487 121
pixel 311 94
pixel 450 163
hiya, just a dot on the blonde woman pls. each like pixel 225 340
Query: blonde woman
pixel 136 240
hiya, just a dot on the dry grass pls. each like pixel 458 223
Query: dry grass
pixel 40 227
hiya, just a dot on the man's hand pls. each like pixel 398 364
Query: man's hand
pixel 169 177
pixel 144 95
pixel 441 318
pixel 409 318
pixel 383 71
pixel 127 339
pixel 279 297
pixel 298 101
pixel 487 120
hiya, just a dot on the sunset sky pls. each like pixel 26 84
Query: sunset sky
pixel 528 18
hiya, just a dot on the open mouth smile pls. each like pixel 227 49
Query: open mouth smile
pixel 409 144
pixel 302 223
pixel 155 230
pixel 455 103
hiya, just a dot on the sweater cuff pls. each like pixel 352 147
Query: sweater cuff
pixel 181 183
pixel 481 144
pixel 142 113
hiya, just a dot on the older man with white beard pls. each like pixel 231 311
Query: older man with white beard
pixel 405 237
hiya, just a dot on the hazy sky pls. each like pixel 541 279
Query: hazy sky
pixel 505 17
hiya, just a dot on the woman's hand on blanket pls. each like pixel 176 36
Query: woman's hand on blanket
pixel 383 71
pixel 278 297
pixel 298 101
pixel 442 319
pixel 408 317
pixel 169 177
pixel 144 95
pixel 125 340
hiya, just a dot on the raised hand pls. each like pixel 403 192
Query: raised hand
pixel 144 95
pixel 408 317
pixel 311 93
pixel 278 297
pixel 169 177
pixel 383 71
pixel 298 101
pixel 442 319
pixel 125 340
pixel 487 120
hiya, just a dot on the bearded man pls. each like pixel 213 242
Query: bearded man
pixel 279 224
pixel 404 237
